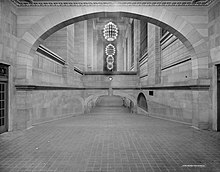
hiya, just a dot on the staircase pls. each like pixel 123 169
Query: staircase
pixel 110 104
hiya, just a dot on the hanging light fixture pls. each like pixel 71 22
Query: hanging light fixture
pixel 110 60
pixel 110 50
pixel 110 31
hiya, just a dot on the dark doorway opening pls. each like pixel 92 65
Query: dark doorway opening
pixel 3 98
pixel 218 98
pixel 142 102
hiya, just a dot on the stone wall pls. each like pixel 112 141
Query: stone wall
pixel 79 48
pixel 35 107
pixel 46 71
pixel 8 45
pixel 176 64
pixel 167 67
pixel 57 42
pixel 34 69
pixel 48 103
pixel 73 78
pixel 214 44
pixel 129 96
pixel 89 41
pixel 118 81
pixel 8 34
pixel 154 68
pixel 188 106
pixel 214 32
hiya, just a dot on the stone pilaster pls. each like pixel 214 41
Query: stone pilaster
pixel 136 45
pixel 85 46
pixel 95 39
pixel 154 54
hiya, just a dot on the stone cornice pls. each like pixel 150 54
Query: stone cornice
pixel 111 3
pixel 180 87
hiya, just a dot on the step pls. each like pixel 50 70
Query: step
pixel 110 110
pixel 110 101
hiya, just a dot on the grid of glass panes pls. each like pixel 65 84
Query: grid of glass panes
pixel 2 103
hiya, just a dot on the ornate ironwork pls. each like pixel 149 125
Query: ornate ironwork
pixel 111 3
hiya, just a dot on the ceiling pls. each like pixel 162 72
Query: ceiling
pixel 130 2
pixel 107 0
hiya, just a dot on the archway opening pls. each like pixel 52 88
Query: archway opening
pixel 109 101
pixel 218 97
pixel 46 33
pixel 125 58
pixel 142 102
pixel 154 21
pixel 109 16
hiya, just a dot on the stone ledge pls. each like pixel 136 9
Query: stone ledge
pixel 111 73
pixel 44 87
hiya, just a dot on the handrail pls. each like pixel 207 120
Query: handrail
pixel 50 54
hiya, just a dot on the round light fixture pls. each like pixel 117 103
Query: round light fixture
pixel 110 31
pixel 110 59
pixel 110 50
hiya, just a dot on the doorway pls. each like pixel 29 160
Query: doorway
pixel 142 102
pixel 218 98
pixel 3 98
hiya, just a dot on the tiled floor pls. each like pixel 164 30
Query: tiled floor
pixel 107 141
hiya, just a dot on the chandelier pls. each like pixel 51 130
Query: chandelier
pixel 110 31
pixel 110 52
pixel 110 60
pixel 110 49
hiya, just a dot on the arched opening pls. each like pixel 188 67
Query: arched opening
pixel 36 34
pixel 90 57
pixel 189 37
pixel 218 98
pixel 53 28
pixel 109 101
pixel 142 102
pixel 113 104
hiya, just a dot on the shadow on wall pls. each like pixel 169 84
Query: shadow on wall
pixel 142 106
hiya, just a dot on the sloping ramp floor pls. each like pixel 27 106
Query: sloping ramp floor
pixel 110 139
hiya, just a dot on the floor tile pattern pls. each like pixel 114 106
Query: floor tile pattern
pixel 110 140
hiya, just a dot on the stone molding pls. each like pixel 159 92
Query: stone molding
pixel 111 3
pixel 44 87
pixel 111 73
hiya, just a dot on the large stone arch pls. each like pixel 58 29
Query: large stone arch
pixel 91 98
pixel 160 16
